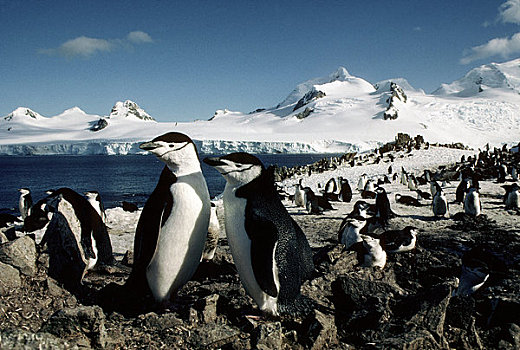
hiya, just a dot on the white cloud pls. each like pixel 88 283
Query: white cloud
pixel 417 29
pixel 139 37
pixel 504 47
pixel 509 12
pixel 86 47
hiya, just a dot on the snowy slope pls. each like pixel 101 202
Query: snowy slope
pixel 336 113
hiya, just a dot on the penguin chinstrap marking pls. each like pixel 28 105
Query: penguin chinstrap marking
pixel 270 251
pixel 76 237
pixel 173 225
pixel 95 200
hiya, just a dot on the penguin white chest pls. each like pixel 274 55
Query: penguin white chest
pixel 180 241
pixel 240 246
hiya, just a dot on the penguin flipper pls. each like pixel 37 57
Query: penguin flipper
pixel 149 225
pixel 263 235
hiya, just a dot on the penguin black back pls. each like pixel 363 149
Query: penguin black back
pixel 148 227
pixel 293 253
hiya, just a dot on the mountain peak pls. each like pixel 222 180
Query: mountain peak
pixel 504 75
pixel 341 74
pixel 129 109
pixel 73 110
pixel 23 112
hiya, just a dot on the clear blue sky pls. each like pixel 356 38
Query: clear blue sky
pixel 182 60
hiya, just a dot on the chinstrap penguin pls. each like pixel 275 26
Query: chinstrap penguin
pixel 25 204
pixel 270 251
pixel 472 204
pixel 440 206
pixel 398 241
pixel 95 200
pixel 173 225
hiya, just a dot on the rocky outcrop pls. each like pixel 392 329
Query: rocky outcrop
pixel 99 125
pixel 129 109
pixel 310 96
pixel 396 94
pixel 21 254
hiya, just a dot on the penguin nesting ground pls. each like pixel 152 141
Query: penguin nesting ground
pixel 173 226
pixel 25 204
pixel 213 234
pixel 477 265
pixel 440 206
pixel 95 200
pixel 407 200
pixel 370 253
pixel 349 231
pixel 270 251
pixel 398 241
pixel 472 204
pixel 512 196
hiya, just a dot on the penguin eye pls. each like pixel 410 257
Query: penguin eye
pixel 171 145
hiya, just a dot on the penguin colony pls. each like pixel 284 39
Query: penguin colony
pixel 178 227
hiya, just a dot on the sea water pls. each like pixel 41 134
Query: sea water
pixel 128 178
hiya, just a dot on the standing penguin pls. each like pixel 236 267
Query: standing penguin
pixel 512 196
pixel 95 200
pixel 270 251
pixel 25 204
pixel 299 195
pixel 514 173
pixel 173 226
pixel 383 210
pixel 345 191
pixel 440 205
pixel 472 204
pixel 213 234
pixel 462 188
pixel 362 182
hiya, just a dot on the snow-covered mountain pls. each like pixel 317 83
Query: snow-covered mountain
pixel 336 113
pixel 504 76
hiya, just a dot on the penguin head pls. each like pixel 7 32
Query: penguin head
pixel 175 149
pixel 370 243
pixel 237 168
pixel 92 195
pixel 24 191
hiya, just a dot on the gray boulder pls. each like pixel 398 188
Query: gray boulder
pixel 83 325
pixel 10 279
pixel 20 253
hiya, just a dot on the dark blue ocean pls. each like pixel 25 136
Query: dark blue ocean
pixel 117 178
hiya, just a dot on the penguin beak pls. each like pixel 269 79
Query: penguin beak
pixel 148 146
pixel 213 161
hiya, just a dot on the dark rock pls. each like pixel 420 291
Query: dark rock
pixel 99 125
pixel 214 336
pixel 152 321
pixel 500 310
pixel 309 97
pixel 83 325
pixel 18 339
pixel 320 331
pixel 67 264
pixel 268 335
pixel 130 207
pixel 9 280
pixel 306 112
pixel 128 258
pixel 20 253
pixel 208 308
pixel 414 340
pixel 9 233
